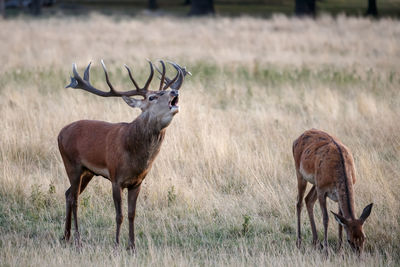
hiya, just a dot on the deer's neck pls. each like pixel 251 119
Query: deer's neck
pixel 345 187
pixel 144 138
pixel 346 199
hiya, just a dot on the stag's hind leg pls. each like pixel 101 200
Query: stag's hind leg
pixel 86 178
pixel 67 229
pixel 70 202
pixel 75 175
pixel 301 186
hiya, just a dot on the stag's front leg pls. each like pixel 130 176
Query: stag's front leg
pixel 133 193
pixel 325 218
pixel 116 189
pixel 310 201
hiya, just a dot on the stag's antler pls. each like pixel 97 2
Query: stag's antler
pixel 78 83
pixel 175 83
pixel 146 86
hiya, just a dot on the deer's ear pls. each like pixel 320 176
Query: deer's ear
pixel 366 212
pixel 135 103
pixel 340 219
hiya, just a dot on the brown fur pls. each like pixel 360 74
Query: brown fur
pixel 325 162
pixel 121 152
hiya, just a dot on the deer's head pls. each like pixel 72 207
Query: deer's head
pixel 160 106
pixel 354 228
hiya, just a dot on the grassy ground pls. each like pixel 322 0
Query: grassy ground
pixel 223 189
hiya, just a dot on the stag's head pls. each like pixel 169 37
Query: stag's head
pixel 354 228
pixel 160 105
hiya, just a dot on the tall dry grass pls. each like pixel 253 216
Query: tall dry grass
pixel 223 189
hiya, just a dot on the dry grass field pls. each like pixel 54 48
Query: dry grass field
pixel 223 189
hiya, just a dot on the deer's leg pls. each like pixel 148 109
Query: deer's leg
pixel 71 197
pixel 301 186
pixel 325 217
pixel 340 231
pixel 117 190
pixel 86 178
pixel 310 201
pixel 67 230
pixel 133 194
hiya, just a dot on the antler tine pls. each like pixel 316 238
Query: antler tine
pixel 131 77
pixel 78 83
pixel 176 83
pixel 171 82
pixel 166 79
pixel 146 86
pixel 112 90
pixel 183 69
pixel 186 72
pixel 76 77
pixel 86 74
pixel 162 75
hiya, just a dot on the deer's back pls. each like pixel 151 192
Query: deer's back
pixel 322 159
pixel 89 140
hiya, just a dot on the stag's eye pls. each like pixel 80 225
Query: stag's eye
pixel 152 97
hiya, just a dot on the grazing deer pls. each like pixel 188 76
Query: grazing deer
pixel 120 152
pixel 325 162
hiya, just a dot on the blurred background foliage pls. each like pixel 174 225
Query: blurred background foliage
pixel 259 8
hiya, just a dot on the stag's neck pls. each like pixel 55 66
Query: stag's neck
pixel 145 137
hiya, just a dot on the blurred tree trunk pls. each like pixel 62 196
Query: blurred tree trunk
pixel 36 7
pixel 202 7
pixel 153 5
pixel 2 9
pixel 372 9
pixel 305 8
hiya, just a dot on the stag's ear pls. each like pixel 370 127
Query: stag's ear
pixel 135 103
pixel 340 219
pixel 366 212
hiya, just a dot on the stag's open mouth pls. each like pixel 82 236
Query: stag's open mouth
pixel 174 102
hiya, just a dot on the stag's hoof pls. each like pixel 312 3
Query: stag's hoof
pixel 63 240
pixel 131 249
pixel 326 253
pixel 298 243
pixel 317 245
pixel 66 237
pixel 77 240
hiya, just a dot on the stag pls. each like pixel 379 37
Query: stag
pixel 120 152
pixel 323 161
